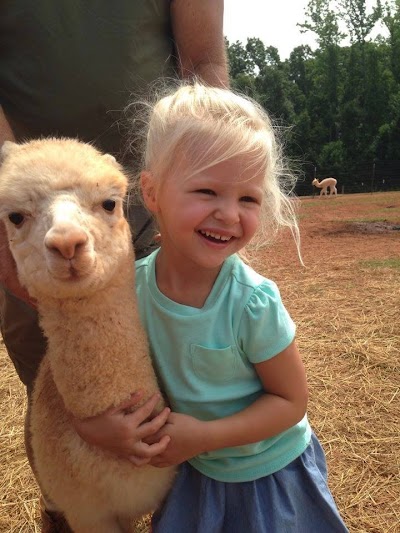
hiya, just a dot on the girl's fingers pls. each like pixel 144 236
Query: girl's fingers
pixel 150 428
pixel 138 461
pixel 144 411
pixel 144 453
pixel 130 402
pixel 158 447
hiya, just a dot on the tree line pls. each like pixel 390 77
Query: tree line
pixel 338 105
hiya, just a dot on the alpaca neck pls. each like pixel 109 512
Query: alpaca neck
pixel 90 342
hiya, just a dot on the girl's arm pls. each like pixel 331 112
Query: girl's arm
pixel 182 437
pixel 281 407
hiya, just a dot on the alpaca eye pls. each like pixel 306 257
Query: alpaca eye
pixel 109 205
pixel 16 218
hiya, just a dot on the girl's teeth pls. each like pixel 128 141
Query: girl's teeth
pixel 215 236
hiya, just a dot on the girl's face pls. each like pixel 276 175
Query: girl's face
pixel 209 216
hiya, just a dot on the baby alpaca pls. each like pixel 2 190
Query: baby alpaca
pixel 325 184
pixel 61 201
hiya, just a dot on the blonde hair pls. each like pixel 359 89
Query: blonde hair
pixel 213 125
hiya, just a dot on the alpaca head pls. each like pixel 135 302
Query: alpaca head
pixel 314 181
pixel 61 201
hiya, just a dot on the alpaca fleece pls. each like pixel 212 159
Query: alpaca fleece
pixel 62 204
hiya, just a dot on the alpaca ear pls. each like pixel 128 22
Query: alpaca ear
pixel 6 148
pixel 111 159
pixel 149 190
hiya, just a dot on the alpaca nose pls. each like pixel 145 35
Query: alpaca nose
pixel 65 239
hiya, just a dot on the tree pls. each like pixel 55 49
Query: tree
pixel 339 105
pixel 238 57
pixel 322 21
pixel 391 19
pixel 358 22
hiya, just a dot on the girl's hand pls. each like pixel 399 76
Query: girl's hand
pixel 122 432
pixel 282 405
pixel 187 436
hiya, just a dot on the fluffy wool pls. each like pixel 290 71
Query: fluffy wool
pixel 62 204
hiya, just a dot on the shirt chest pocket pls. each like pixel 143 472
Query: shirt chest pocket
pixel 214 364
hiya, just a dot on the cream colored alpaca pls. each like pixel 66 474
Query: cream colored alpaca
pixel 61 201
pixel 325 184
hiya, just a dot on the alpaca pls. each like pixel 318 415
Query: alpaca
pixel 325 184
pixel 62 204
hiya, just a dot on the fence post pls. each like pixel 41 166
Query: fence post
pixel 373 177
pixel 314 188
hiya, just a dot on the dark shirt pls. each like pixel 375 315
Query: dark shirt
pixel 69 68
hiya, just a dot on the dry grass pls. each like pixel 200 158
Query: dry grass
pixel 346 304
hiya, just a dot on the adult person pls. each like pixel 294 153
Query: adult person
pixel 69 69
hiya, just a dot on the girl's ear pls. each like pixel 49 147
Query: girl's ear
pixel 148 186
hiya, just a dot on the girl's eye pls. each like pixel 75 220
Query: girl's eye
pixel 16 218
pixel 109 205
pixel 206 191
pixel 250 199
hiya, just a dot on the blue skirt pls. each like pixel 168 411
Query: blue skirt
pixel 295 499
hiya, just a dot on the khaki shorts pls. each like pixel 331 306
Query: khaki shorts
pixel 22 336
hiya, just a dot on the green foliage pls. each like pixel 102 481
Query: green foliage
pixel 341 104
pixel 332 156
pixel 359 23
pixel 322 21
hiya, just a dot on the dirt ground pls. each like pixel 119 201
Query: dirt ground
pixel 346 303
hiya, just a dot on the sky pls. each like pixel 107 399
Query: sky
pixel 272 21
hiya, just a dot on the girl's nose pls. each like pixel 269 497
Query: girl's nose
pixel 227 212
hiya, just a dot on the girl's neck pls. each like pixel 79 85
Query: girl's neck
pixel 184 283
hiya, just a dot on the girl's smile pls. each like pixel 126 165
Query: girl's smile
pixel 215 238
pixel 208 216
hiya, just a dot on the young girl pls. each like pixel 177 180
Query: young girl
pixel 222 341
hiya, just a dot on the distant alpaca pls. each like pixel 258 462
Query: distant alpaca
pixel 325 184
pixel 61 201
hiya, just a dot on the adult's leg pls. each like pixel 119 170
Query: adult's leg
pixel 26 346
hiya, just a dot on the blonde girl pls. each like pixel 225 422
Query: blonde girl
pixel 222 341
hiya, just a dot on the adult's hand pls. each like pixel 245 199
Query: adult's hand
pixel 8 270
pixel 200 53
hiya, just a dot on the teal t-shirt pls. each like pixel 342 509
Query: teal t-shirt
pixel 204 359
